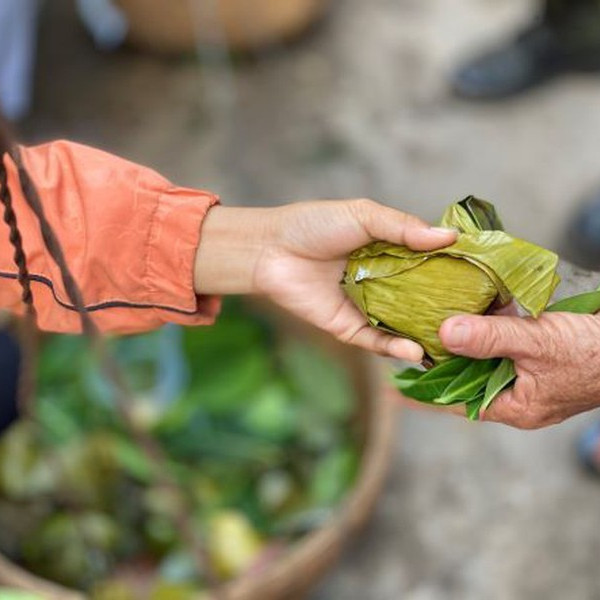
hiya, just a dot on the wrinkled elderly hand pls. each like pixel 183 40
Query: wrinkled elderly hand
pixel 557 360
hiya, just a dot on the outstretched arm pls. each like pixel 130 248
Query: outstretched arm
pixel 145 252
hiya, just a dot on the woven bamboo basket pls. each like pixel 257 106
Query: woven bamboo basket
pixel 293 575
pixel 179 26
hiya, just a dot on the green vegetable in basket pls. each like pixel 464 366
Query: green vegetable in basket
pixel 411 293
pixel 12 594
pixel 259 442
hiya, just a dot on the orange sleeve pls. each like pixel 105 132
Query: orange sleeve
pixel 129 236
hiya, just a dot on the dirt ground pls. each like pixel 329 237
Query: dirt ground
pixel 361 107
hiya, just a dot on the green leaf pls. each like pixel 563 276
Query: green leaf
pixel 483 214
pixel 272 413
pixel 113 589
pixel 332 476
pixel 500 379
pixel 430 385
pixel 133 460
pixel 473 408
pixel 583 304
pixel 404 379
pixel 471 215
pixel 10 594
pixel 469 384
pixel 320 381
pixel 174 591
pixel 25 469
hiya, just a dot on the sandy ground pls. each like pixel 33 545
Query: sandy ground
pixel 361 108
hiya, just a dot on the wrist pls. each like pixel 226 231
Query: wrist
pixel 232 240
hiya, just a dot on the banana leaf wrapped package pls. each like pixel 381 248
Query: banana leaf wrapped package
pixel 411 293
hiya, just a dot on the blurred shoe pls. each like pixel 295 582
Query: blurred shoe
pixel 588 449
pixel 537 54
pixel 582 244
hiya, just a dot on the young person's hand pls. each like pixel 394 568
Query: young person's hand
pixel 296 254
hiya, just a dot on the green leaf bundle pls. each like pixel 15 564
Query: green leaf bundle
pixel 411 293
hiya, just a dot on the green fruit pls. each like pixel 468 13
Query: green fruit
pixel 233 543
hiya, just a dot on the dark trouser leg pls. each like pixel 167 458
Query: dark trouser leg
pixel 566 38
pixel 576 23
pixel 9 375
pixel 559 11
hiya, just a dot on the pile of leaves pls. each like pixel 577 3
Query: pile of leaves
pixel 258 434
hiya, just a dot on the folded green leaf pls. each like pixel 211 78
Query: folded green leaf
pixel 499 380
pixel 473 408
pixel 583 304
pixel 472 215
pixel 470 383
pixel 428 386
pixel 405 379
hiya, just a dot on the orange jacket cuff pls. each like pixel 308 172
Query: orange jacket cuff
pixel 129 236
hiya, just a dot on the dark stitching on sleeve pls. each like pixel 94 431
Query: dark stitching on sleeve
pixel 102 305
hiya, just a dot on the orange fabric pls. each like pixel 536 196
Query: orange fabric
pixel 129 236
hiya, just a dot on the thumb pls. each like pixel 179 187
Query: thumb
pixel 382 222
pixel 486 336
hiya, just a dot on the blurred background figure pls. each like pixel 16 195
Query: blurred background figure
pixel 18 40
pixel 589 449
pixel 565 37
pixel 18 26
pixel 582 243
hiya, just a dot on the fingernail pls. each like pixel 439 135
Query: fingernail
pixel 458 335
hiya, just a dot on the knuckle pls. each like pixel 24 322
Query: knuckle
pixel 485 336
pixel 528 422
pixel 345 337
pixel 384 346
pixel 364 211
pixel 350 336
pixel 363 206
pixel 542 343
pixel 547 336
pixel 413 225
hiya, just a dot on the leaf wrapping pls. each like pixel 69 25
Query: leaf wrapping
pixel 411 293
